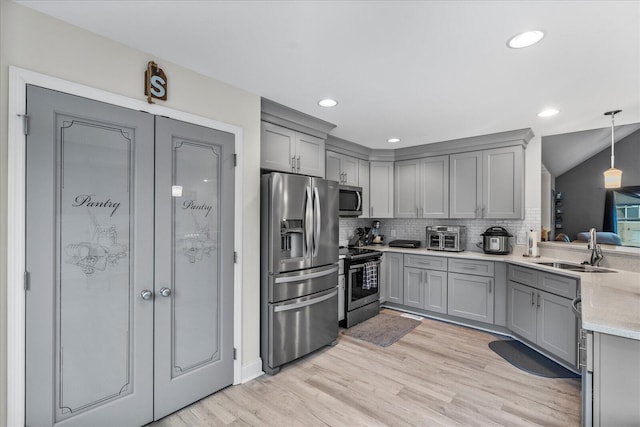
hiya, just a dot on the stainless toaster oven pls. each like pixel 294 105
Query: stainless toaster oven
pixel 451 238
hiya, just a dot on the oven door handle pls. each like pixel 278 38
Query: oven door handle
pixel 361 266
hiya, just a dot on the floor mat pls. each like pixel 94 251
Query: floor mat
pixel 528 360
pixel 383 329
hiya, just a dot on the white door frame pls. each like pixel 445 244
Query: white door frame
pixel 18 79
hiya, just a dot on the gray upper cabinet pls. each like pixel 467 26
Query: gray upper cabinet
pixel 381 189
pixel 466 185
pixel 290 151
pixel 406 191
pixel 422 188
pixel 342 168
pixel 363 181
pixel 503 183
pixel 487 184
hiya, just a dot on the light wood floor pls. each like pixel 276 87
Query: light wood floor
pixel 437 375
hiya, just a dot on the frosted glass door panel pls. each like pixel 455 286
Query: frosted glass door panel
pixel 89 254
pixel 195 256
pixel 94 266
pixel 194 217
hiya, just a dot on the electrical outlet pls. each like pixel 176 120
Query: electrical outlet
pixel 393 234
pixel 521 238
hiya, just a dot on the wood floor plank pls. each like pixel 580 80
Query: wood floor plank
pixel 439 374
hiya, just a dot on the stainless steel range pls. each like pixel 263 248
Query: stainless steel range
pixel 362 270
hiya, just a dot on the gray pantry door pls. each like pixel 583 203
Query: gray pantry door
pixel 193 263
pixel 91 243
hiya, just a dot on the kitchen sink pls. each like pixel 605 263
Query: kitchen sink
pixel 581 268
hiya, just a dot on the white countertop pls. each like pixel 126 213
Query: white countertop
pixel 610 301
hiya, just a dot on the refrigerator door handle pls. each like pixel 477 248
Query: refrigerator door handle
pixel 307 276
pixel 312 301
pixel 308 222
pixel 317 219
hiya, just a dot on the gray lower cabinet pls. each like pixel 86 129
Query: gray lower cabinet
pixel 542 318
pixel 425 289
pixel 394 277
pixel 470 297
pixel 383 279
pixel 616 381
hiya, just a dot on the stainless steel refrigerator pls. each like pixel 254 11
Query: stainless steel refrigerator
pixel 299 267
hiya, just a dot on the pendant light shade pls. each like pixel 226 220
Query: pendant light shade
pixel 612 176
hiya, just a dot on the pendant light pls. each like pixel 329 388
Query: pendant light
pixel 612 176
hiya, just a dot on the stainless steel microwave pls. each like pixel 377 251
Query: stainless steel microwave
pixel 350 200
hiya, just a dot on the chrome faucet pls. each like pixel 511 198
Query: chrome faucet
pixel 596 251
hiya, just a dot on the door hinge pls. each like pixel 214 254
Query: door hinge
pixel 25 123
pixel 26 280
pixel 234 353
pixel 235 160
pixel 235 257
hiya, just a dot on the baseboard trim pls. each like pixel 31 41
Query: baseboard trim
pixel 251 370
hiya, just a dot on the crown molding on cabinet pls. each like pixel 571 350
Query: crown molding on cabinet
pixel 289 118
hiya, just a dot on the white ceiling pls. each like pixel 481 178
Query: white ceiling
pixel 422 71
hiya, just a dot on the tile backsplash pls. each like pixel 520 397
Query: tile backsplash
pixel 414 229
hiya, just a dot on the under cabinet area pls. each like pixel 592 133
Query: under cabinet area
pixel 290 151
pixel 539 310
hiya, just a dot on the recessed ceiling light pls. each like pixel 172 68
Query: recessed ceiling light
pixel 548 112
pixel 392 140
pixel 525 39
pixel 327 102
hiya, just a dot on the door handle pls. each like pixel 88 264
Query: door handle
pixel 146 294
pixel 298 163
pixel 533 298
pixel 293 163
pixel 317 218
pixel 165 292
pixel 490 286
pixel 538 300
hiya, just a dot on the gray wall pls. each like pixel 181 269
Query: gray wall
pixel 583 186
